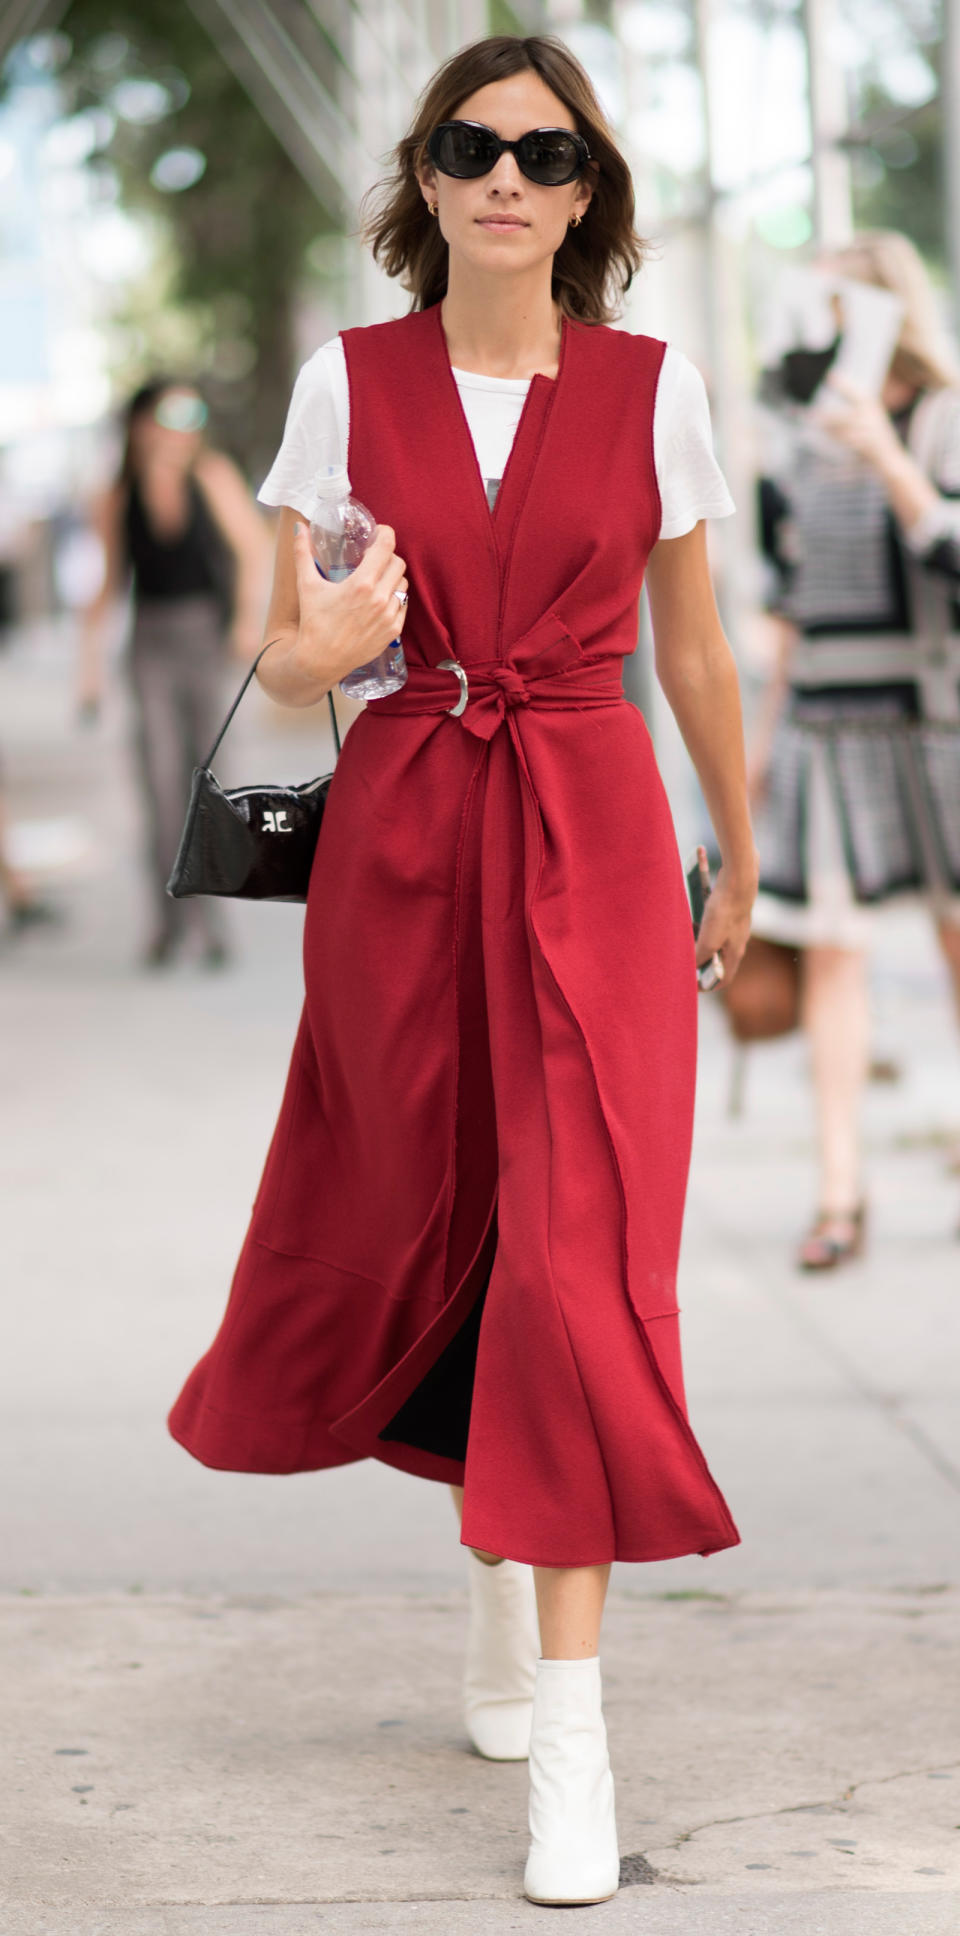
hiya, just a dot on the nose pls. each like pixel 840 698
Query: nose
pixel 505 177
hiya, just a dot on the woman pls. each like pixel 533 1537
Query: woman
pixel 471 1210
pixel 179 526
pixel 856 770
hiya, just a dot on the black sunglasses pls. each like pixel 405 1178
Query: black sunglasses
pixel 548 156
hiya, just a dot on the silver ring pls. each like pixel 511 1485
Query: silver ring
pixel 401 597
pixel 453 665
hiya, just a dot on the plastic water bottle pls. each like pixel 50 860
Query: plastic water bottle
pixel 341 531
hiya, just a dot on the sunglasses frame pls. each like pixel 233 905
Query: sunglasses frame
pixel 583 155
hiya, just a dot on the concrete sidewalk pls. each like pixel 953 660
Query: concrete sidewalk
pixel 235 1699
pixel 183 1753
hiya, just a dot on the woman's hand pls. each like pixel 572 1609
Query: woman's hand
pixel 864 426
pixel 857 420
pixel 725 928
pixel 343 626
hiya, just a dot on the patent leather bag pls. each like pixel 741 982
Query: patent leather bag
pixel 255 843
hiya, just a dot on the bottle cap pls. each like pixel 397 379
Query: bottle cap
pixel 332 481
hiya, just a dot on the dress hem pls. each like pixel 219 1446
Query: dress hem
pixel 427 1465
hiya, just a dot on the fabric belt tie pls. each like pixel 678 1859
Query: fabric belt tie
pixel 482 694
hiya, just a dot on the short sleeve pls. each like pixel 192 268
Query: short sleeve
pixel 692 485
pixel 315 433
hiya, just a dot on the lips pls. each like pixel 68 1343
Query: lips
pixel 501 222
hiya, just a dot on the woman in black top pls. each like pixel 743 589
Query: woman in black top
pixel 181 529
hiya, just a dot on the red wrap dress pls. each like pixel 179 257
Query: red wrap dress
pixel 489 1106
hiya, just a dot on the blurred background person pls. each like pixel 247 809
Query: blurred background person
pixel 22 906
pixel 181 532
pixel 856 764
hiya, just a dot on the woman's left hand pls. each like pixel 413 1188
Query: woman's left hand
pixel 725 928
pixel 857 420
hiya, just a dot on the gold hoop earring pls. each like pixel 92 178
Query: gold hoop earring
pixel 433 208
pixel 575 221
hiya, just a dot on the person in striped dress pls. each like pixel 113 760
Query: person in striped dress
pixel 856 766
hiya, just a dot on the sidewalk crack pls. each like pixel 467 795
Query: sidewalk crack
pixel 799 1808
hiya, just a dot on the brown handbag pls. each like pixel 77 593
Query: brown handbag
pixel 763 999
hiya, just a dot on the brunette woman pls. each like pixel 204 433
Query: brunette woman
pixel 180 528
pixel 857 767
pixel 462 1259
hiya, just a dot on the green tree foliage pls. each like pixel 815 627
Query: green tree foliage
pixel 898 174
pixel 238 235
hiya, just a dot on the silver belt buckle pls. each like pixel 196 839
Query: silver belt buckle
pixel 453 665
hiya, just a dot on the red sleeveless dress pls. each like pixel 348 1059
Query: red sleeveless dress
pixel 492 1085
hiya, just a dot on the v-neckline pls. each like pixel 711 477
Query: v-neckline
pixel 535 389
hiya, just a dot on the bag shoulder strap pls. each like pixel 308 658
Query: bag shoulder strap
pixel 211 756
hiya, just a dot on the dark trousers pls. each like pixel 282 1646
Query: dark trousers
pixel 177 662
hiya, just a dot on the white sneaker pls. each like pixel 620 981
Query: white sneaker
pixel 574 1857
pixel 503 1642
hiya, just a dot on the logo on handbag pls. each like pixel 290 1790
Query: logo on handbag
pixel 275 823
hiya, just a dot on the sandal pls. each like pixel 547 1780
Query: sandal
pixel 819 1251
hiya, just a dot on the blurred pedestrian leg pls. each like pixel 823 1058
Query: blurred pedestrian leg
pixel 24 909
pixel 835 1016
pixel 177 667
pixel 948 934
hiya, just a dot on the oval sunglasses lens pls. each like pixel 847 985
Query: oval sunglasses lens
pixel 549 159
pixel 466 152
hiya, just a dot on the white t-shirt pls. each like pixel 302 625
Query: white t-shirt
pixel 691 483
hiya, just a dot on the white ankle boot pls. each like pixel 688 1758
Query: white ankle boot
pixel 503 1642
pixel 574 1855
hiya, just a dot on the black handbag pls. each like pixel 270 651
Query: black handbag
pixel 253 842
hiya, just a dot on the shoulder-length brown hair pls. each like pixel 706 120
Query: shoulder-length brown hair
pixel 594 265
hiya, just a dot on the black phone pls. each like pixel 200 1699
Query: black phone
pixel 710 973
